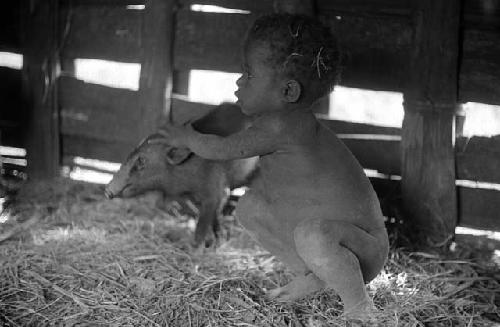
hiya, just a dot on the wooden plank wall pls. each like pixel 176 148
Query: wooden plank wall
pixel 104 122
pixel 93 31
pixel 11 99
pixel 377 38
pixel 100 122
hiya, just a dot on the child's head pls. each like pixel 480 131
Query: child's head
pixel 299 48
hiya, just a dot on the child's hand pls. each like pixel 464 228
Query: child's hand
pixel 174 135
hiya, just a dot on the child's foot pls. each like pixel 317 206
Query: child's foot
pixel 363 314
pixel 298 288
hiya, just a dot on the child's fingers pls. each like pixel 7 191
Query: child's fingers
pixel 159 141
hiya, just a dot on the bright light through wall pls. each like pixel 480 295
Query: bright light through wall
pixel 108 73
pixel 217 9
pixel 481 119
pixel 366 106
pixel 11 60
pixel 213 87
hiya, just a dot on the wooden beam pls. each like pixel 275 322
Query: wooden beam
pixel 478 158
pixel 184 110
pixel 87 109
pixel 92 148
pixel 478 208
pixel 479 66
pixel 102 32
pixel 428 165
pixel 10 26
pixel 198 41
pixel 40 19
pixel 155 84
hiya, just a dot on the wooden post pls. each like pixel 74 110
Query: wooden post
pixel 40 65
pixel 155 84
pixel 428 163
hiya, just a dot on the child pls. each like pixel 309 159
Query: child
pixel 312 205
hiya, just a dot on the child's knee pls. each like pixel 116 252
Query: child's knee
pixel 316 238
pixel 323 239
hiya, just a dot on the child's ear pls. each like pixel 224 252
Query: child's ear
pixel 292 91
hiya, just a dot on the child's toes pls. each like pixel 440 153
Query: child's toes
pixel 276 294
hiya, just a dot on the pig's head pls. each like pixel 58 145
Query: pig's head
pixel 145 168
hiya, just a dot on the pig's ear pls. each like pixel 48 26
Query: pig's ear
pixel 176 156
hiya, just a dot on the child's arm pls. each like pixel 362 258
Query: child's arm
pixel 258 139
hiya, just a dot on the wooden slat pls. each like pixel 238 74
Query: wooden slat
pixel 479 78
pixel 98 111
pixel 209 40
pixel 112 33
pixel 184 110
pixel 101 2
pixel 479 208
pixel 345 127
pixel 91 148
pixel 11 98
pixel 483 13
pixel 375 50
pixel 478 159
pixel 10 26
pixel 363 7
pixel 383 156
pixel 374 147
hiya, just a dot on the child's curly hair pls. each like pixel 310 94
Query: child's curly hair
pixel 301 48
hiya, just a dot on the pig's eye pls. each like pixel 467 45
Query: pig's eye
pixel 139 164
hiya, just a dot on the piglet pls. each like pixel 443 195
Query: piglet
pixel 177 172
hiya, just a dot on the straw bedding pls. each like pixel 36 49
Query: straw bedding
pixel 76 259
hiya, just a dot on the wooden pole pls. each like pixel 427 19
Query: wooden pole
pixel 155 84
pixel 430 101
pixel 40 65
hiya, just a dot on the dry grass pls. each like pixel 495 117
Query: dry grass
pixel 92 262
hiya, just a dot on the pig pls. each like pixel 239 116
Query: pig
pixel 177 172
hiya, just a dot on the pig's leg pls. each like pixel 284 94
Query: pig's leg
pixel 208 227
pixel 345 257
pixel 203 234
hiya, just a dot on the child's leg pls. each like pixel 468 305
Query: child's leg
pixel 344 256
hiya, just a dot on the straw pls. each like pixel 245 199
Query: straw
pixel 88 261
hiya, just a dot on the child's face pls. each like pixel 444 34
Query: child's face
pixel 259 86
